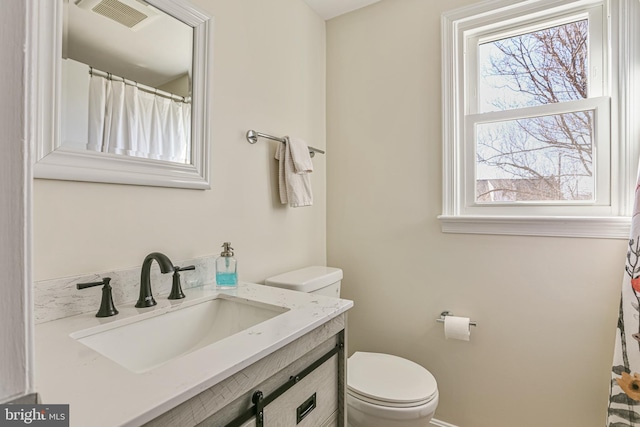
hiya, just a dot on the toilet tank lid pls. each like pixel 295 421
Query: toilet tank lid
pixel 306 279
pixel 390 379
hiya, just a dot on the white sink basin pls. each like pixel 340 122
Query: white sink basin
pixel 152 339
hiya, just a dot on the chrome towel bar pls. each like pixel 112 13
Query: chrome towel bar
pixel 448 313
pixel 252 137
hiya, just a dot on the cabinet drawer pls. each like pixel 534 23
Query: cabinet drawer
pixel 309 403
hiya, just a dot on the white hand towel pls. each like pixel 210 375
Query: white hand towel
pixel 294 181
pixel 300 155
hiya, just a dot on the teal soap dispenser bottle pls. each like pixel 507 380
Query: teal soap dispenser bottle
pixel 226 268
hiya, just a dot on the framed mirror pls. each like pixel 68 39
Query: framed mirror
pixel 123 88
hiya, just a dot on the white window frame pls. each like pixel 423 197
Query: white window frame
pixel 609 217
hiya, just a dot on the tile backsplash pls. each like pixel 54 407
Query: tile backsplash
pixel 58 298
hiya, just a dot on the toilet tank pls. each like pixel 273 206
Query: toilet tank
pixel 316 280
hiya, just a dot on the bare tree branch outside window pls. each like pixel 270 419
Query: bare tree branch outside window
pixel 546 158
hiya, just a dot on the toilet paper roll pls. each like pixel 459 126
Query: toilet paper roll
pixel 456 328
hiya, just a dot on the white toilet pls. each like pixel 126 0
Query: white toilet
pixel 382 390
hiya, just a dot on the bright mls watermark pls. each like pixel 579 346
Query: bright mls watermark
pixel 34 415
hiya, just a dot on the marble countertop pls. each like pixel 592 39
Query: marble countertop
pixel 102 393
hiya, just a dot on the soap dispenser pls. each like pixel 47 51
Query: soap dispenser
pixel 226 268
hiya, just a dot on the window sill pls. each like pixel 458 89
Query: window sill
pixel 591 227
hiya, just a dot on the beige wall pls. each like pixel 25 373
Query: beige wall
pixel 546 307
pixel 263 78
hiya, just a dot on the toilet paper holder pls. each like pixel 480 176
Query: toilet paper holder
pixel 448 313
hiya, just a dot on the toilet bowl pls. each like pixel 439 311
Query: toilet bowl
pixel 382 390
pixel 388 391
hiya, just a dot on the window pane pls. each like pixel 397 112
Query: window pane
pixel 547 158
pixel 536 68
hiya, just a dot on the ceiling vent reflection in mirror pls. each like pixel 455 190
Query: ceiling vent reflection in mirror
pixel 132 14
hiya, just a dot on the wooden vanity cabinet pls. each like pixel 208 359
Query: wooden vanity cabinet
pixel 315 399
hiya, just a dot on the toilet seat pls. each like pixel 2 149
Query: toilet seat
pixel 389 381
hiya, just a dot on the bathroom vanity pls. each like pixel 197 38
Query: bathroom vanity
pixel 284 364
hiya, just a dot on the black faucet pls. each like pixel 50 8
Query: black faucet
pixel 146 297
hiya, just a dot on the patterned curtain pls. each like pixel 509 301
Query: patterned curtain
pixel 624 396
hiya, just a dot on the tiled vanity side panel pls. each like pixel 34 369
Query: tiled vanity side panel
pixel 233 396
pixel 58 298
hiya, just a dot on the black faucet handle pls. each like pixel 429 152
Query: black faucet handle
pixel 105 281
pixel 176 288
pixel 107 308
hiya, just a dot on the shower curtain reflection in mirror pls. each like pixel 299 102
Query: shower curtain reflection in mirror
pixel 125 119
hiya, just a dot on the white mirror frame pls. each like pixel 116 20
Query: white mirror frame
pixel 56 162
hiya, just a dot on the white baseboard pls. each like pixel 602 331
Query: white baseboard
pixel 439 423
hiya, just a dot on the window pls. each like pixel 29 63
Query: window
pixel 529 120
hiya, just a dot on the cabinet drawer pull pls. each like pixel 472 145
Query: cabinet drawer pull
pixel 306 408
